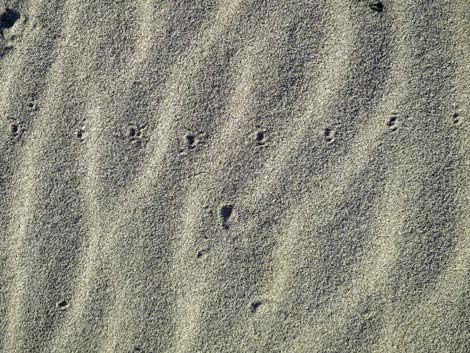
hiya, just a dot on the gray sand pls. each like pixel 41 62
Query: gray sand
pixel 234 176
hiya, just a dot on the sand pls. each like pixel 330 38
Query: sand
pixel 234 176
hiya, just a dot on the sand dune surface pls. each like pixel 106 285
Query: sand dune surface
pixel 234 176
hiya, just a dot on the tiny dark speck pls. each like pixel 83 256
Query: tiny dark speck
pixel 377 6
pixel 254 306
pixel 392 120
pixel 14 129
pixel 62 305
pixel 225 213
pixel 202 252
pixel 329 135
pixel 191 139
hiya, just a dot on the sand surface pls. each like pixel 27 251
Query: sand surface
pixel 234 176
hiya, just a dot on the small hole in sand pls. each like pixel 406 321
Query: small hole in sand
pixel 132 132
pixel 81 134
pixel 255 306
pixel 8 18
pixel 225 213
pixel 190 140
pixel 62 305
pixel 202 252
pixel 456 117
pixel 14 129
pixel 260 137
pixel 377 6
pixel 392 120
pixel 329 135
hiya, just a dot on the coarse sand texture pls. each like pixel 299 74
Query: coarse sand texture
pixel 234 176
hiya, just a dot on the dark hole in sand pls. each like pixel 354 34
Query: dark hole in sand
pixel 202 252
pixel 132 132
pixel 81 134
pixel 260 136
pixel 8 18
pixel 225 213
pixel 254 306
pixel 190 139
pixel 456 117
pixel 14 129
pixel 377 6
pixel 329 135
pixel 392 120
pixel 62 305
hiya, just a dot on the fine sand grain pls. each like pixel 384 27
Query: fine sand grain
pixel 234 176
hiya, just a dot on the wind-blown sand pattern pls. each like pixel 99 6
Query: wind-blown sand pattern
pixel 234 176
